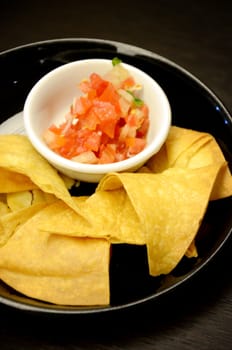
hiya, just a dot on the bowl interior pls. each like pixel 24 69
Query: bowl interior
pixel 193 106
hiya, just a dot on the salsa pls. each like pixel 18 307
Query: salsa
pixel 106 124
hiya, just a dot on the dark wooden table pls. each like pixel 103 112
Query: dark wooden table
pixel 198 36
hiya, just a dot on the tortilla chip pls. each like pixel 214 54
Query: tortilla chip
pixel 114 218
pixel 184 159
pixel 211 154
pixel 192 250
pixel 83 290
pixel 159 162
pixel 69 183
pixel 180 145
pixel 190 149
pixel 39 196
pixel 56 248
pixel 14 182
pixel 10 221
pixel 68 270
pixel 19 156
pixel 19 200
pixel 4 209
pixel 170 207
pixel 181 140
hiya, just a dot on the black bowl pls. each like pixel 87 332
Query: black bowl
pixel 193 106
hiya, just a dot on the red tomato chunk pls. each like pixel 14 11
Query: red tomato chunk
pixel 107 123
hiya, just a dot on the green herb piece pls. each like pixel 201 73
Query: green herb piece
pixel 116 61
pixel 138 102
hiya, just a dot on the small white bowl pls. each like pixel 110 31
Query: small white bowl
pixel 51 97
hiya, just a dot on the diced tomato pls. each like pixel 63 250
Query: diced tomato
pixel 104 138
pixel 127 131
pixel 53 128
pixel 136 145
pixel 142 131
pixel 92 94
pixel 111 96
pixel 105 110
pixel 97 83
pixel 104 125
pixel 81 105
pixel 55 141
pixel 93 141
pixel 90 120
pixel 86 157
pixel 145 110
pixel 85 86
pixel 132 120
pixel 87 89
pixel 108 117
pixel 108 128
pixel 121 153
pixel 107 154
pixel 130 141
pixel 127 83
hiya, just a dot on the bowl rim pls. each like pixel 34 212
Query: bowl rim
pixel 98 169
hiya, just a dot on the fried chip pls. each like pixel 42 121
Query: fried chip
pixel 4 209
pixel 85 289
pixel 19 200
pixel 39 196
pixel 170 207
pixel 185 148
pixel 19 156
pixel 56 268
pixel 114 218
pixel 11 181
pixel 179 140
pixel 183 140
pixel 11 221
pixel 56 248
pixel 191 252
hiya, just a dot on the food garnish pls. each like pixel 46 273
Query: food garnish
pixel 107 123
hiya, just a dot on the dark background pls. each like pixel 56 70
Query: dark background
pixel 198 36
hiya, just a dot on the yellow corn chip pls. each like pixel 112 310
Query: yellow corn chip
pixel 11 221
pixel 56 268
pixel 19 200
pixel 170 207
pixel 11 181
pixel 110 215
pixel 190 149
pixel 19 156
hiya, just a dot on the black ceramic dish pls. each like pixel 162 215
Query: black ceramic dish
pixel 193 106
